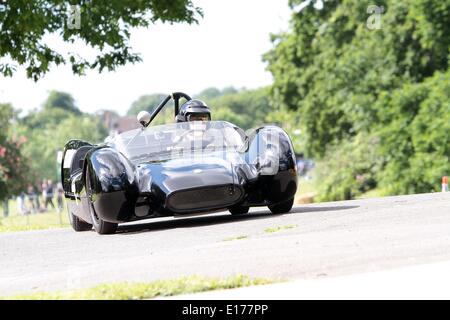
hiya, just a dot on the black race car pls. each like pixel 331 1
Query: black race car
pixel 176 170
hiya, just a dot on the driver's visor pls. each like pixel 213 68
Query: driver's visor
pixel 199 117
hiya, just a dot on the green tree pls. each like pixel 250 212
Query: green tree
pixel 61 100
pixel 13 166
pixel 44 143
pixel 57 107
pixel 149 103
pixel 349 84
pixel 145 103
pixel 48 129
pixel 209 93
pixel 415 134
pixel 213 92
pixel 245 108
pixel 104 26
pixel 331 68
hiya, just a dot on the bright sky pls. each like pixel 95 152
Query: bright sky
pixel 225 49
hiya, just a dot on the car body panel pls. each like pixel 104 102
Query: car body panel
pixel 123 189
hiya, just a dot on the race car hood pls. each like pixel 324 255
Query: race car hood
pixel 188 173
pixel 194 179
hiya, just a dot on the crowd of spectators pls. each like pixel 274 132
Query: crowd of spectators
pixel 38 199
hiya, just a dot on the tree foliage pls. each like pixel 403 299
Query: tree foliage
pixel 104 26
pixel 245 108
pixel 415 136
pixel 13 166
pixel 350 84
pixel 61 100
pixel 55 109
pixel 50 127
pixel 146 103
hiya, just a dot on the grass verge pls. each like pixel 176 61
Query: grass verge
pixel 140 291
pixel 35 221
pixel 38 221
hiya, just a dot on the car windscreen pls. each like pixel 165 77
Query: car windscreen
pixel 179 139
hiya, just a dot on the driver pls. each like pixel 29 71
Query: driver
pixel 194 110
pixel 197 112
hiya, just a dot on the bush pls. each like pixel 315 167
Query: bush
pixel 348 170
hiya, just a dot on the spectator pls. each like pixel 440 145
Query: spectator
pixel 6 208
pixel 44 193
pixel 49 194
pixel 60 195
pixel 21 207
pixel 37 203
pixel 31 195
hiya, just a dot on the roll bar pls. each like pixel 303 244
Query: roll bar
pixel 176 96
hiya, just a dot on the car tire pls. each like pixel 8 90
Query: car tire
pixel 283 207
pixel 77 224
pixel 238 210
pixel 101 226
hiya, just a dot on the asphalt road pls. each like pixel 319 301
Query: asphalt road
pixel 330 239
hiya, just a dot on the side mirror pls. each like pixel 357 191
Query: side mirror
pixel 144 118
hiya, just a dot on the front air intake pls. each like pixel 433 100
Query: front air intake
pixel 204 198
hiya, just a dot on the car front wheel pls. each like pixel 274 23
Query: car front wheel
pixel 77 224
pixel 101 226
pixel 283 207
